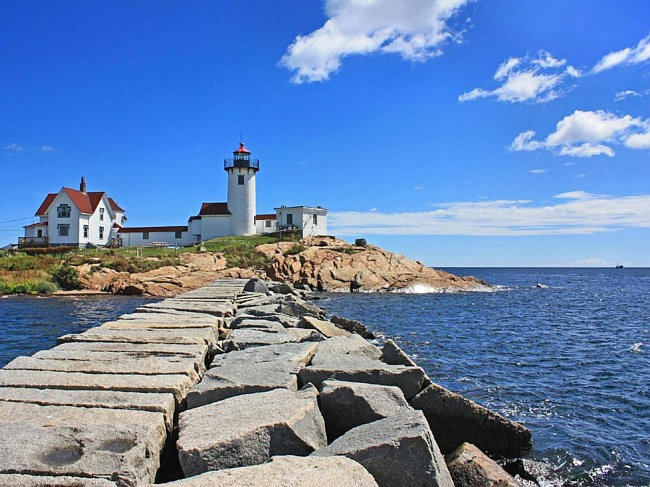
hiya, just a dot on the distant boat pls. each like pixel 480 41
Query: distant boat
pixel 619 266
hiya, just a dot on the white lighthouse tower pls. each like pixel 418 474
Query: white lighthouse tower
pixel 241 171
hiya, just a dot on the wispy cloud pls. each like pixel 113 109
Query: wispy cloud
pixel 622 95
pixel 537 171
pixel 415 29
pixel 528 79
pixel 629 55
pixel 588 134
pixel 21 148
pixel 576 212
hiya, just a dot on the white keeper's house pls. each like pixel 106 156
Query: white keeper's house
pixel 80 218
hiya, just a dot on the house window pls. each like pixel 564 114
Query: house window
pixel 315 219
pixel 240 179
pixel 145 235
pixel 64 230
pixel 101 233
pixel 267 223
pixel 290 219
pixel 63 211
pixel 178 235
pixel 101 214
pixel 86 231
pixel 39 233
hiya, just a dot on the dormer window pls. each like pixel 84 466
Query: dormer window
pixel 63 211
pixel 101 214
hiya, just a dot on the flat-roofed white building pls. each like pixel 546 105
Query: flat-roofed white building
pixel 310 221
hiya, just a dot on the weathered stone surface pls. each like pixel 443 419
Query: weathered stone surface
pixel 256 286
pixel 188 337
pixel 198 351
pixel 281 288
pixel 249 429
pixel 353 326
pixel 346 405
pixel 304 335
pixel 349 345
pixel 455 420
pixel 180 326
pixel 329 264
pixel 19 480
pixel 178 385
pixel 170 316
pixel 397 451
pixel 62 440
pixel 252 370
pixel 123 453
pixel 265 325
pixel 156 402
pixel 470 467
pixel 244 338
pixel 194 307
pixel 286 320
pixel 287 471
pixel 357 368
pixel 393 355
pixel 144 366
pixel 325 327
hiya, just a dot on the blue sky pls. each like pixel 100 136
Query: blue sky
pixel 456 132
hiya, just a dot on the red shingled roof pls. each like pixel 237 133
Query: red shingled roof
pixel 38 224
pixel 214 209
pixel 266 216
pixel 242 149
pixel 46 204
pixel 85 202
pixel 114 205
pixel 152 229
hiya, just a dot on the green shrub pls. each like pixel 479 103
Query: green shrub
pixel 47 287
pixel 296 248
pixel 132 264
pixel 66 277
pixel 24 262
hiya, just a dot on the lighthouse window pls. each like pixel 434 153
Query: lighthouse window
pixel 63 211
pixel 315 219
pixel 240 179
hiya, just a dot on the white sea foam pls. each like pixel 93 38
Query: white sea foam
pixel 636 348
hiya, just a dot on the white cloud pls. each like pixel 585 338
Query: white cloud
pixel 622 95
pixel 579 213
pixel 21 148
pixel 538 80
pixel 537 171
pixel 629 55
pixel 588 134
pixel 415 29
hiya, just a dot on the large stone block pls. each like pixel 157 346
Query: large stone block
pixel 392 354
pixel 188 337
pixel 143 366
pixel 249 430
pixel 346 405
pixel 251 370
pixel 324 327
pixel 346 345
pixel 156 349
pixel 240 339
pixel 455 420
pixel 397 451
pixel 20 480
pixel 357 368
pixel 470 467
pixel 178 385
pixel 156 402
pixel 287 471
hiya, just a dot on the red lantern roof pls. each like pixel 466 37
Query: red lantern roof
pixel 242 149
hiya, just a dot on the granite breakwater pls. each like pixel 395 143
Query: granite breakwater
pixel 240 383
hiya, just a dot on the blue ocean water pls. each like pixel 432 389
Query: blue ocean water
pixel 571 360
pixel 30 324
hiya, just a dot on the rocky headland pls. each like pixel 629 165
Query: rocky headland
pixel 320 264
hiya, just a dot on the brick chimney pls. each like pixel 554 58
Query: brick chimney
pixel 82 186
